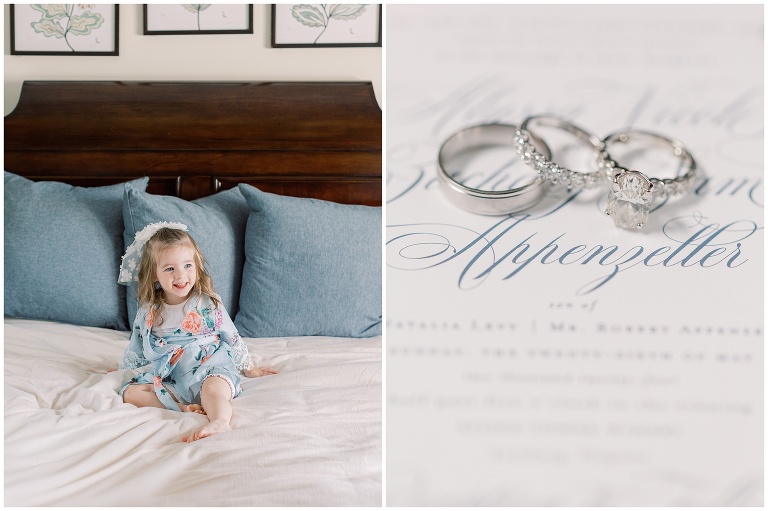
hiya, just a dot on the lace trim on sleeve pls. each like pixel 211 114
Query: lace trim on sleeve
pixel 240 354
pixel 132 360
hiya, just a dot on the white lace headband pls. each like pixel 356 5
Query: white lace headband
pixel 129 268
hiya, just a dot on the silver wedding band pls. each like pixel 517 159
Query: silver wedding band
pixel 487 202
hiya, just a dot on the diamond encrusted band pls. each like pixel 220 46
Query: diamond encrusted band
pixel 557 174
pixel 631 191
pixel 486 202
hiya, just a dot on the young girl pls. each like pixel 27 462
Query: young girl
pixel 182 329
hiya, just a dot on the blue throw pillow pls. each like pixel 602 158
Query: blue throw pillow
pixel 63 246
pixel 217 224
pixel 312 267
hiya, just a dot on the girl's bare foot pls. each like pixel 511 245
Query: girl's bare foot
pixel 207 430
pixel 192 408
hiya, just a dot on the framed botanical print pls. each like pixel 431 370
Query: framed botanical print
pixel 325 25
pixel 64 29
pixel 191 19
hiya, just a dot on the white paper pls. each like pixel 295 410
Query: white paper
pixel 528 361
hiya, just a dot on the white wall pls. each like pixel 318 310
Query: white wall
pixel 244 57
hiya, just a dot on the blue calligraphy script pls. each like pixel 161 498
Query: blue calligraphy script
pixel 512 244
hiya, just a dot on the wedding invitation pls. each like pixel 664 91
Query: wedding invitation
pixel 547 357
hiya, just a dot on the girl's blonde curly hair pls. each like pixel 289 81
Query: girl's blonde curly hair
pixel 148 294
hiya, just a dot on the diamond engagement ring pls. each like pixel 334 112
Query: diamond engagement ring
pixel 557 174
pixel 631 192
pixel 486 202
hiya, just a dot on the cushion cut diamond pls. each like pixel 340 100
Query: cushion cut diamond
pixel 629 200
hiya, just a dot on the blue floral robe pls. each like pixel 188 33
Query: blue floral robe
pixel 205 344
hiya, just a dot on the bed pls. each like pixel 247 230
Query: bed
pixel 240 162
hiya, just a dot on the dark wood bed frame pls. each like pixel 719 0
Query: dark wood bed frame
pixel 192 139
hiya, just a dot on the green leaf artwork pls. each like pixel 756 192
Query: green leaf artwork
pixel 311 16
pixel 196 9
pixel 60 20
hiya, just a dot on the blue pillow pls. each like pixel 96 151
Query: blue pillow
pixel 217 224
pixel 312 267
pixel 63 246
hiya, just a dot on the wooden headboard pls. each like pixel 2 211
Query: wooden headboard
pixel 192 139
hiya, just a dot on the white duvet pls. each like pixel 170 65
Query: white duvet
pixel 309 436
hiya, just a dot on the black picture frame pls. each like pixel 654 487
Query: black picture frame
pixel 147 31
pixel 20 46
pixel 371 44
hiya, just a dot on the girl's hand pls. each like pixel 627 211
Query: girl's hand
pixel 255 372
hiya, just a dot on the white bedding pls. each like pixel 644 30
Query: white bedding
pixel 309 436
